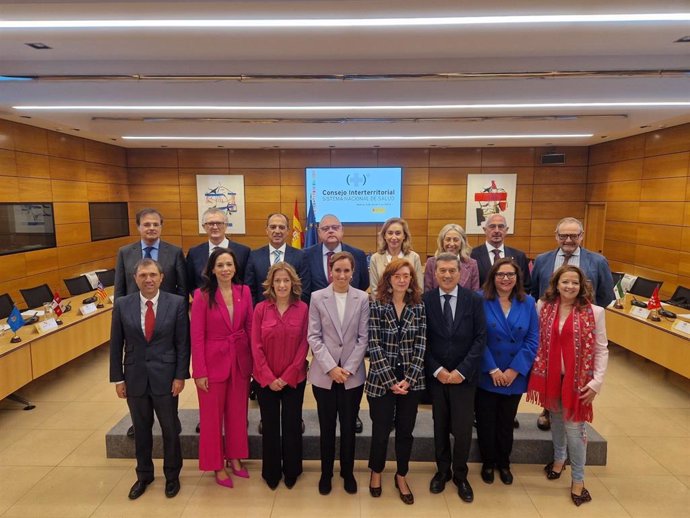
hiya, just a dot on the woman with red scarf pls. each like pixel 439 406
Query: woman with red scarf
pixel 568 370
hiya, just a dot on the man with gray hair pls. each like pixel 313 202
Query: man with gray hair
pixel 215 224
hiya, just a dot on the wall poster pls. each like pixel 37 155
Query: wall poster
pixel 489 194
pixel 225 192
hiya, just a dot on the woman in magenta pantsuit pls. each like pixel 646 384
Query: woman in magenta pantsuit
pixel 222 364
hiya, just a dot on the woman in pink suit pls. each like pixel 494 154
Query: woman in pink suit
pixel 222 364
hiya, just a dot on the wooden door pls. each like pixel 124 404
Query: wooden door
pixel 595 227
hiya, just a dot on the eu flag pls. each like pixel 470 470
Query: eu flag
pixel 311 237
pixel 15 320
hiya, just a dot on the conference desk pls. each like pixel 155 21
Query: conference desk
pixel 38 354
pixel 656 341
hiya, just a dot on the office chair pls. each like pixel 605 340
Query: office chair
pixel 78 285
pixel 106 277
pixel 644 287
pixel 6 305
pixel 35 297
pixel 680 297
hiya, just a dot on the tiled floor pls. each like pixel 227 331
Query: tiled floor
pixel 53 464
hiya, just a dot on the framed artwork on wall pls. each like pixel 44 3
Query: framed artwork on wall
pixel 224 192
pixel 489 194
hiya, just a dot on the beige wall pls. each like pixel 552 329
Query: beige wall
pixel 642 179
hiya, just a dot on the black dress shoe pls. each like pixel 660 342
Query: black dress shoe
pixel 198 428
pixel 325 484
pixel 464 490
pixel 438 482
pixel 505 475
pixel 374 491
pixel 407 498
pixel 172 487
pixel 272 484
pixel 350 484
pixel 130 432
pixel 487 474
pixel 358 425
pixel 582 498
pixel 138 489
pixel 290 482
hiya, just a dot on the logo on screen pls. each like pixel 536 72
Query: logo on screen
pixel 356 179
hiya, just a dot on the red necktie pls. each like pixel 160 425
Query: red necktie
pixel 149 321
pixel 328 266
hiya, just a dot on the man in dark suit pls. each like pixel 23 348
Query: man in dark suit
pixel 215 223
pixel 456 338
pixel 277 250
pixel 569 235
pixel 150 328
pixel 496 229
pixel 170 257
pixel 331 241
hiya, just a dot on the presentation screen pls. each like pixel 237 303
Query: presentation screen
pixel 355 194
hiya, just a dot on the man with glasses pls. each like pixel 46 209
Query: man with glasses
pixel 331 241
pixel 496 228
pixel 215 224
pixel 569 235
pixel 277 250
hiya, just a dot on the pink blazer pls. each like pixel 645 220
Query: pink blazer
pixel 218 347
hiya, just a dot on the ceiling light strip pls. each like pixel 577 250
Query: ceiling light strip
pixel 347 22
pixel 361 138
pixel 358 107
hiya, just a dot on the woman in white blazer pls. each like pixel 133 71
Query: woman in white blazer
pixel 338 337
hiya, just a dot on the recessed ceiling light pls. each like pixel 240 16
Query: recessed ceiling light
pixel 360 138
pixel 357 107
pixel 347 22
pixel 38 46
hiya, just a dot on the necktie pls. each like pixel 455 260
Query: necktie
pixel 147 252
pixel 276 256
pixel 566 258
pixel 497 254
pixel 448 311
pixel 328 266
pixel 149 321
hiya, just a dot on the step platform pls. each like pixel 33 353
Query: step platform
pixel 531 445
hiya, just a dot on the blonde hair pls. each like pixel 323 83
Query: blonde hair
pixel 407 240
pixel 465 249
pixel 296 289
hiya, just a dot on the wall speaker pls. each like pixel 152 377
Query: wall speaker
pixel 553 158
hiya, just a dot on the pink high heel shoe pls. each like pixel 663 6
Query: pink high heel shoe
pixel 225 483
pixel 242 473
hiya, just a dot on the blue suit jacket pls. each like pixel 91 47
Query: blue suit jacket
pixel 258 266
pixel 171 259
pixel 314 258
pixel 594 266
pixel 510 343
pixel 197 257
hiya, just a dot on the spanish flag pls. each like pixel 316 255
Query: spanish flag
pixel 297 233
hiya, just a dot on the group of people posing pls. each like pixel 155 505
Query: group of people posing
pixel 464 330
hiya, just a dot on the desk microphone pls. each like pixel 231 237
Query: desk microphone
pixel 638 303
pixel 667 314
pixel 67 308
pixel 89 300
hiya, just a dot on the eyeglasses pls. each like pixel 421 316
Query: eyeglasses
pixel 402 276
pixel 334 228
pixel 505 275
pixel 215 224
pixel 565 237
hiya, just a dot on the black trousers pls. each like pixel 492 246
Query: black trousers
pixel 383 410
pixel 331 404
pixel 281 440
pixel 453 411
pixel 142 408
pixel 495 414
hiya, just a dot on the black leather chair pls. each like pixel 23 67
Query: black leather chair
pixel 680 297
pixel 35 297
pixel 106 277
pixel 644 287
pixel 6 305
pixel 78 285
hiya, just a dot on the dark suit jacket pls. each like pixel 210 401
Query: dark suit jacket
pixel 461 348
pixel 197 257
pixel 314 258
pixel 594 266
pixel 481 255
pixel 171 259
pixel 156 363
pixel 259 264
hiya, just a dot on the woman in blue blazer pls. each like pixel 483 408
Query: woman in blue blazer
pixel 512 342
